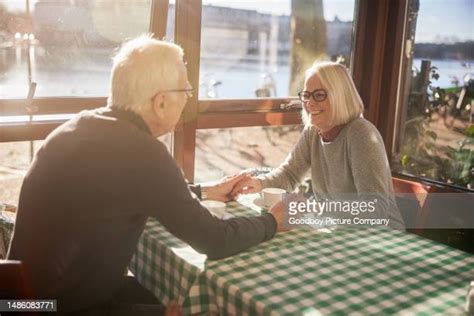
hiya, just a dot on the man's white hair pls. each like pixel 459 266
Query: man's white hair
pixel 141 68
pixel 343 97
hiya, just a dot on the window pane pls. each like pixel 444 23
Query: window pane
pixel 437 113
pixel 65 46
pixel 170 21
pixel 15 159
pixel 13 24
pixel 221 152
pixel 249 48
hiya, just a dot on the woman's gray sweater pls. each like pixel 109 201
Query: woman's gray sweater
pixel 353 164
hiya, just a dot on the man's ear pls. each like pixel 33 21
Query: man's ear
pixel 158 105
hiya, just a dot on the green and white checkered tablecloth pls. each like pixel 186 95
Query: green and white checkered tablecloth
pixel 308 272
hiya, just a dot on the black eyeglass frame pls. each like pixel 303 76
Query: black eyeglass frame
pixel 313 94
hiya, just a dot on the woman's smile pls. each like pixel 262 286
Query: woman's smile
pixel 316 112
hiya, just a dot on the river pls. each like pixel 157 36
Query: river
pixel 85 73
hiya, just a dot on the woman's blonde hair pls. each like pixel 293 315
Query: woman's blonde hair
pixel 343 97
pixel 141 68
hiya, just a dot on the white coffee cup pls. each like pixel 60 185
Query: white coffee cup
pixel 272 196
pixel 215 207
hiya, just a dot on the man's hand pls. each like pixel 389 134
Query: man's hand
pixel 247 185
pixel 222 191
pixel 278 211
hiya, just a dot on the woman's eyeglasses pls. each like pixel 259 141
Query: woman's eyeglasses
pixel 318 95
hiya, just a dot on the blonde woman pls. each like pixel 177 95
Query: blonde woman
pixel 344 151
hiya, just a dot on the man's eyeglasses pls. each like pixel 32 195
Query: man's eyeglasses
pixel 189 92
pixel 318 95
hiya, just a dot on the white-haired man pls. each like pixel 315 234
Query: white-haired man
pixel 98 177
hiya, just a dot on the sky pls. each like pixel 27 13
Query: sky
pixel 438 20
pixel 444 19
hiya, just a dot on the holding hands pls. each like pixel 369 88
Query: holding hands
pixel 230 187
pixel 224 190
pixel 247 185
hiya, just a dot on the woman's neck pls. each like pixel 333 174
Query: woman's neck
pixel 331 134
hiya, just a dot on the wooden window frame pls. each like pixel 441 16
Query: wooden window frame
pixel 221 113
pixel 378 60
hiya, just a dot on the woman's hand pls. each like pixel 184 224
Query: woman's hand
pixel 222 191
pixel 247 185
pixel 278 211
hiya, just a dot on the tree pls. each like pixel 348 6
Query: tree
pixel 308 36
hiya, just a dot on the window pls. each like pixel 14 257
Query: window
pixel 262 48
pixel 248 50
pixel 436 138
pixel 251 66
pixel 64 46
pixel 221 152
pixel 15 159
pixel 14 30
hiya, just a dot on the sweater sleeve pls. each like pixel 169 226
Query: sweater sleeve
pixel 371 170
pixel 171 203
pixel 291 172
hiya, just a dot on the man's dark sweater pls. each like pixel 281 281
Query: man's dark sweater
pixel 85 200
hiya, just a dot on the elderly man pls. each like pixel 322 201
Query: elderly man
pixel 97 178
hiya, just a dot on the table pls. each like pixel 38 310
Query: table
pixel 306 271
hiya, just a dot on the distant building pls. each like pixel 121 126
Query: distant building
pixel 226 31
pixel 339 35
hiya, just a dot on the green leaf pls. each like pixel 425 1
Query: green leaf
pixel 404 160
pixel 469 131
